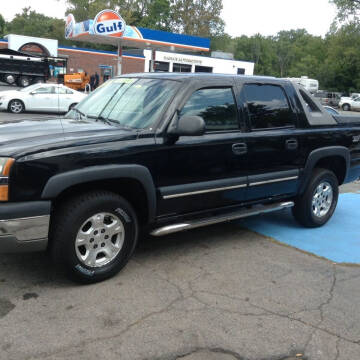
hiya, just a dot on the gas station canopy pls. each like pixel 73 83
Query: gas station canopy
pixel 108 27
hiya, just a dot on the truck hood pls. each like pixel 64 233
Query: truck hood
pixel 22 137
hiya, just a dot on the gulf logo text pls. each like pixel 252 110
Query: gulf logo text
pixel 109 23
pixel 110 27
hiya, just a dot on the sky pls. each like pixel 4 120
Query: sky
pixel 242 17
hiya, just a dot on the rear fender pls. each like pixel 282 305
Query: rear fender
pixel 322 153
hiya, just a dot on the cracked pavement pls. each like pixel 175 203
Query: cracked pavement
pixel 221 292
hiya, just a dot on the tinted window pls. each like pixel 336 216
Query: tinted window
pixel 44 90
pixel 319 95
pixel 215 106
pixel 60 90
pixel 181 68
pixel 311 106
pixel 199 68
pixel 268 106
pixel 161 66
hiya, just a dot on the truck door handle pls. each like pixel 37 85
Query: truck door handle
pixel 291 144
pixel 239 149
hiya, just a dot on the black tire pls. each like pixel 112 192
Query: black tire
pixel 16 106
pixel 72 106
pixel 24 81
pixel 38 80
pixel 346 107
pixel 304 210
pixel 69 218
pixel 10 79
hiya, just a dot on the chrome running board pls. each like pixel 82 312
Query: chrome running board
pixel 254 210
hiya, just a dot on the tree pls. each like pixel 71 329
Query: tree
pixel 192 17
pixel 2 26
pixel 31 23
pixel 197 17
pixel 347 9
pixel 341 68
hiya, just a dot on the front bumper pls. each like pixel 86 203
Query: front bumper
pixel 24 226
pixel 4 104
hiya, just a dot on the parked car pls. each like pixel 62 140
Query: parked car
pixel 40 97
pixel 350 104
pixel 328 98
pixel 161 153
pixel 331 110
pixel 354 95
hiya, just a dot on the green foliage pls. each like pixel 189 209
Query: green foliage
pixel 193 17
pixel 2 26
pixel 333 60
pixel 347 9
pixel 197 17
pixel 32 23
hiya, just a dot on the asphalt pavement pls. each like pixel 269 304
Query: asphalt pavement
pixel 223 292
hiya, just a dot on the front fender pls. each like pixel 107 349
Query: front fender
pixel 58 183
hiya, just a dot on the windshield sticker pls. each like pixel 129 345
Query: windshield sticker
pixel 124 81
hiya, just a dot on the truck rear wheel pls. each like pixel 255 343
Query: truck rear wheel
pixel 93 235
pixel 24 81
pixel 315 207
pixel 38 80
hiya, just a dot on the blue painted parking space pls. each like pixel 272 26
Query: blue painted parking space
pixel 338 240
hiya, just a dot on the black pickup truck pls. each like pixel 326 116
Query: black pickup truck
pixel 161 153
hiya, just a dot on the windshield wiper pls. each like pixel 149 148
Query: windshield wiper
pixel 80 113
pixel 101 118
pixel 110 122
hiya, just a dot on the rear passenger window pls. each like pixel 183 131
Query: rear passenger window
pixel 268 106
pixel 216 106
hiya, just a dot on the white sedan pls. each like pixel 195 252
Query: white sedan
pixel 40 97
pixel 347 103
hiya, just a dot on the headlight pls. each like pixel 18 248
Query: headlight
pixel 5 166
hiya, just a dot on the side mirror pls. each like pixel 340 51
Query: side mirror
pixel 189 126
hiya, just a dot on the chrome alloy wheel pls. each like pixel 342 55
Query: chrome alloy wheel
pixel 322 199
pixel 99 240
pixel 16 106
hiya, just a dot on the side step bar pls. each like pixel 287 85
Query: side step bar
pixel 254 210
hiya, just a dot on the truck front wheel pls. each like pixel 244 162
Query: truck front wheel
pixel 315 207
pixel 24 81
pixel 346 107
pixel 93 235
pixel 10 79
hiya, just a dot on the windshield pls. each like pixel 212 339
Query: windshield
pixel 127 102
pixel 30 88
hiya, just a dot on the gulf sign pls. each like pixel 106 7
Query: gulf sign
pixel 69 26
pixel 109 23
